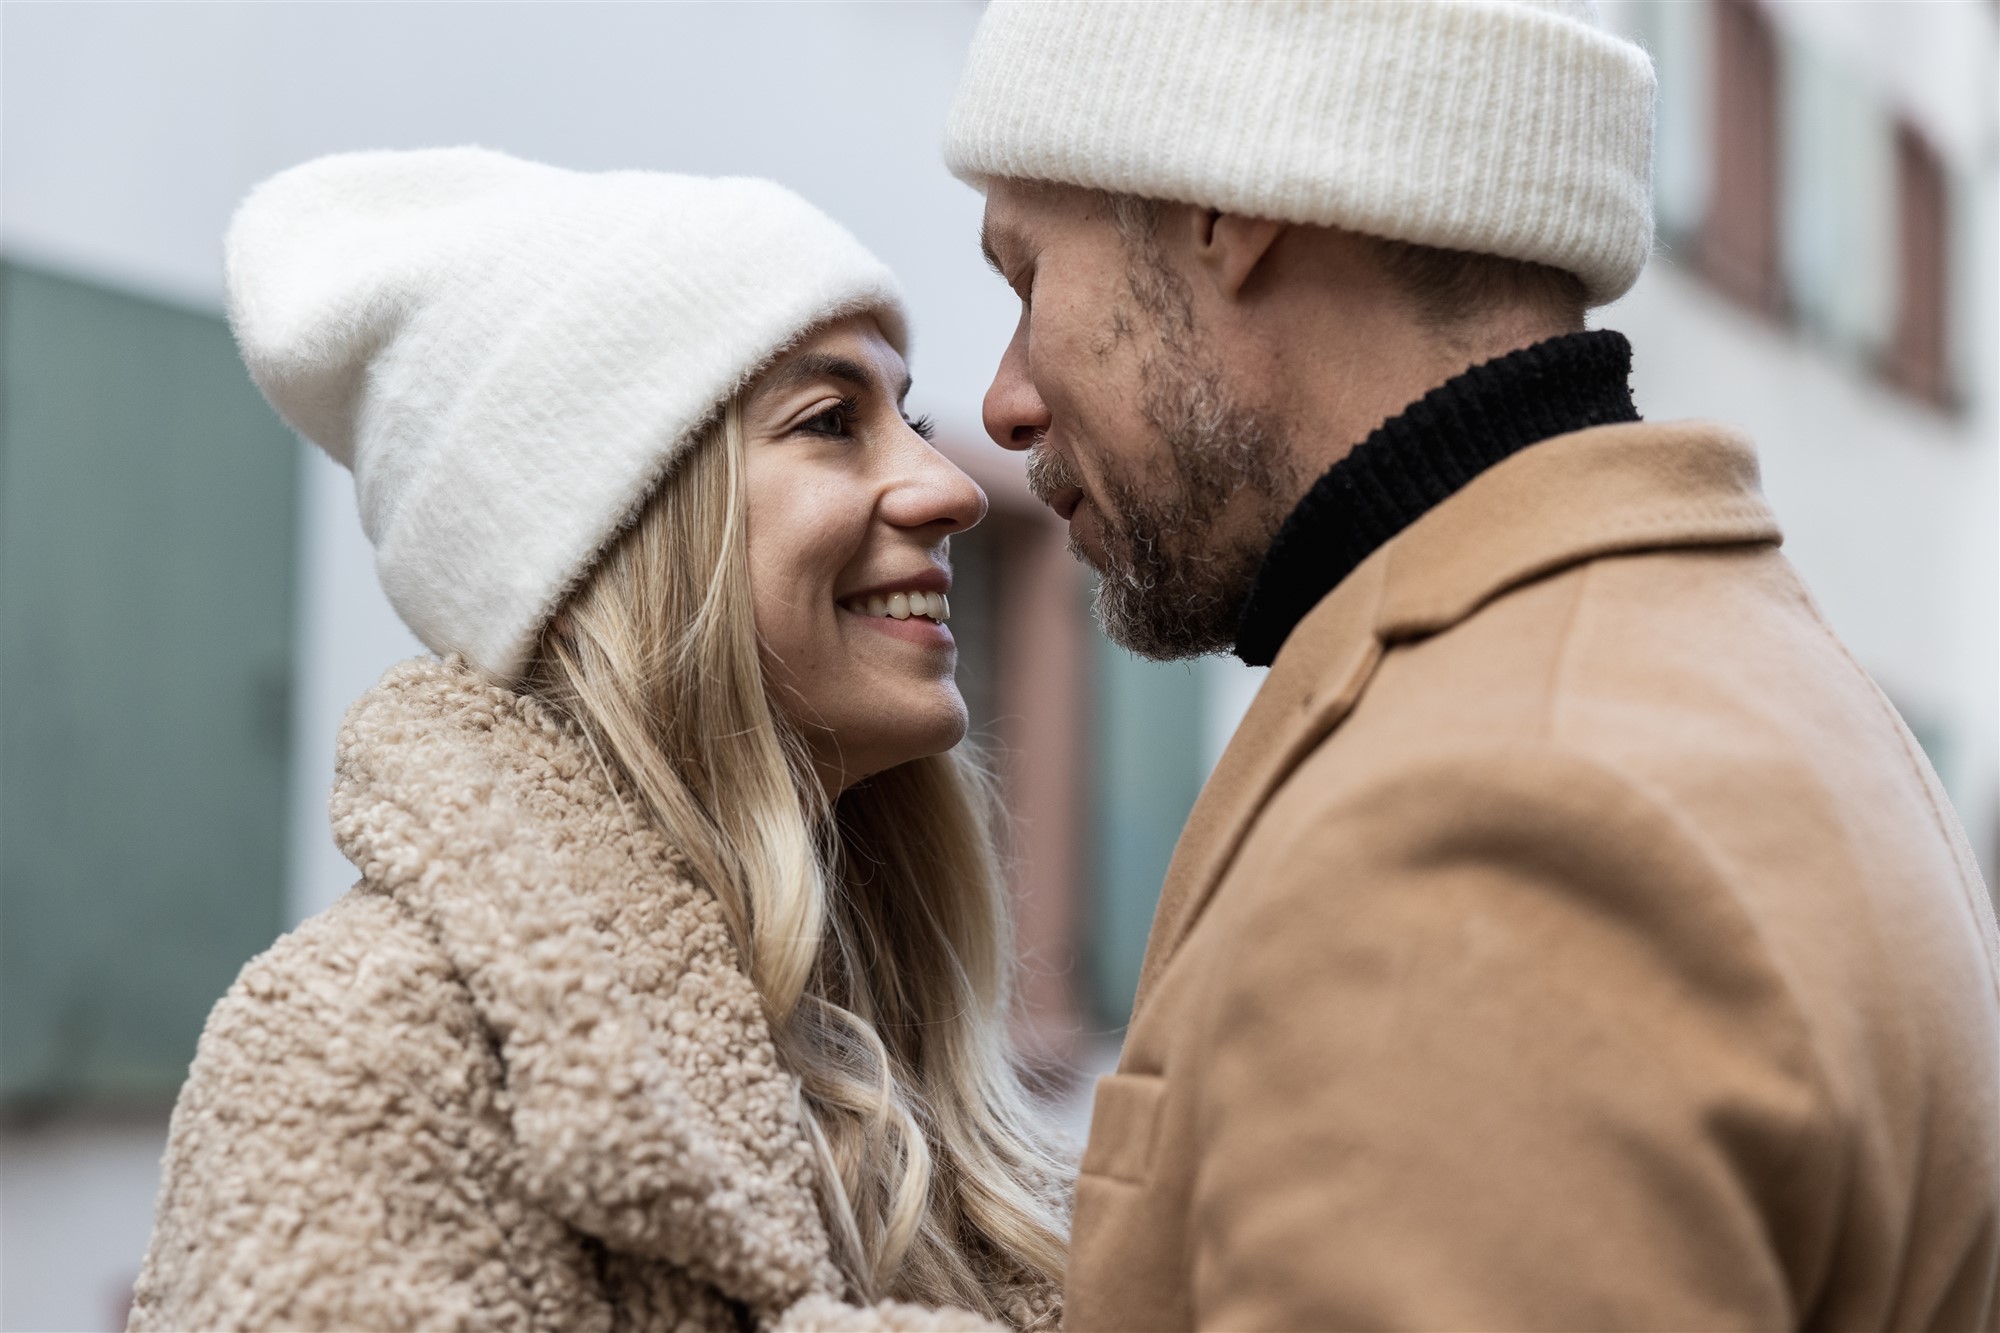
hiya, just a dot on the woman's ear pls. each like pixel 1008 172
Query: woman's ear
pixel 1230 247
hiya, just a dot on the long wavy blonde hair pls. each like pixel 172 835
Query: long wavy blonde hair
pixel 875 925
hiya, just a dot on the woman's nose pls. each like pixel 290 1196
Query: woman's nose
pixel 936 492
pixel 1014 413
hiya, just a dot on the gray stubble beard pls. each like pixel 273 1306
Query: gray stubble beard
pixel 1169 585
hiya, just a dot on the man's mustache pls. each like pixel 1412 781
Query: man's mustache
pixel 1049 472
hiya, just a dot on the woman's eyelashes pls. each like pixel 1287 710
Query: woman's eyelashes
pixel 838 421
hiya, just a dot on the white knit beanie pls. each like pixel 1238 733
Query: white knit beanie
pixel 508 356
pixel 1507 127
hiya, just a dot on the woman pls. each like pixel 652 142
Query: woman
pixel 672 992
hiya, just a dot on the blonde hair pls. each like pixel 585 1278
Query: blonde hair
pixel 875 925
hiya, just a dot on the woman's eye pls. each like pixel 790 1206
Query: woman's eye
pixel 833 421
pixel 837 420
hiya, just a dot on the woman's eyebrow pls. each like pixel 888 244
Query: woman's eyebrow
pixel 826 366
pixel 821 366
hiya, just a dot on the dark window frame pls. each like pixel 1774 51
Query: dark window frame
pixel 1741 230
pixel 1918 359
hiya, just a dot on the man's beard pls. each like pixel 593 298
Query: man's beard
pixel 1170 583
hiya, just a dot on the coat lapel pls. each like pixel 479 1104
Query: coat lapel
pixel 645 1094
pixel 1313 683
pixel 1577 497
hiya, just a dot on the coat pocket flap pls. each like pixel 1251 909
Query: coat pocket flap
pixel 1122 1123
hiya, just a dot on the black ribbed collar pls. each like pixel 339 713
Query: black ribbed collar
pixel 1417 459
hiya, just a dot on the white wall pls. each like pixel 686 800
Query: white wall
pixel 76 1206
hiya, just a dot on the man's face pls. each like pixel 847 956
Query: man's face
pixel 1172 483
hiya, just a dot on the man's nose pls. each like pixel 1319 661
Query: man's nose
pixel 1014 413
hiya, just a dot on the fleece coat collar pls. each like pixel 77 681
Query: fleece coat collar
pixel 642 1084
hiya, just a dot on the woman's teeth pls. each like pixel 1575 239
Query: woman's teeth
pixel 903 605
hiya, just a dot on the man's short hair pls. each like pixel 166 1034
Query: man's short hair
pixel 1450 287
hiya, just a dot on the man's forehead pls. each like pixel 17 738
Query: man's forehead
pixel 1018 211
pixel 997 240
pixel 1001 226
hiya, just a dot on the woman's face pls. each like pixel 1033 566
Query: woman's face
pixel 849 511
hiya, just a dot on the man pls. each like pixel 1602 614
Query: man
pixel 1572 936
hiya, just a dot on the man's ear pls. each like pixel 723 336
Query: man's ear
pixel 1230 247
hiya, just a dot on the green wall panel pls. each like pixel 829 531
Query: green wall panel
pixel 1149 769
pixel 147 517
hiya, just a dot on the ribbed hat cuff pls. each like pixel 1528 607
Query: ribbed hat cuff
pixel 1503 128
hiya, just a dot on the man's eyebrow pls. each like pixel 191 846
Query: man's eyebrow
pixel 826 366
pixel 986 249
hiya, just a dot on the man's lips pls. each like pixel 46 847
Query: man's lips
pixel 1084 535
pixel 1054 480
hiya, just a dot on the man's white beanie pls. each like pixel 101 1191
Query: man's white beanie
pixel 509 356
pixel 1507 127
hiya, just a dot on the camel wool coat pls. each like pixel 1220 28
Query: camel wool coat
pixel 515 1080
pixel 1572 937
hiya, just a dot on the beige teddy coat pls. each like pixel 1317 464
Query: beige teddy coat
pixel 516 1079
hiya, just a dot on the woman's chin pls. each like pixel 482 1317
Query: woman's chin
pixel 920 729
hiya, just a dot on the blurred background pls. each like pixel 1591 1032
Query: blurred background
pixel 187 604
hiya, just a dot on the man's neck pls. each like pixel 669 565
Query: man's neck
pixel 1352 390
pixel 1419 458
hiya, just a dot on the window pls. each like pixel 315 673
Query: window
pixel 1839 205
pixel 1739 244
pixel 1680 36
pixel 1917 350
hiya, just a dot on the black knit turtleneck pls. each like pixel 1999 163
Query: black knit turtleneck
pixel 1421 457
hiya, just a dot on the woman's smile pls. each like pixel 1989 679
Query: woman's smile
pixel 913 609
pixel 900 618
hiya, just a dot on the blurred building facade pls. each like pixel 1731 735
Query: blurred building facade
pixel 187 604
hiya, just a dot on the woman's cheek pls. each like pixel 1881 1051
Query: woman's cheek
pixel 780 615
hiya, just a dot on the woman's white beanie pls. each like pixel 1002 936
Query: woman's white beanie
pixel 1507 127
pixel 508 356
